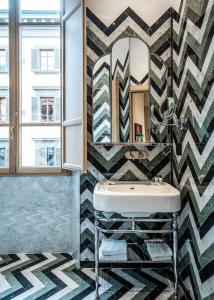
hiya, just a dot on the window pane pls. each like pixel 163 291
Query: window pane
pixel 4 75
pixel 4 11
pixel 41 146
pixel 40 10
pixel 40 69
pixel 4 147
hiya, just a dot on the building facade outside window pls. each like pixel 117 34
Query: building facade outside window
pixel 47 152
pixel 39 127
pixel 46 106
pixel 47 109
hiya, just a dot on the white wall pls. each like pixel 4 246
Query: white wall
pixel 176 4
pixel 148 10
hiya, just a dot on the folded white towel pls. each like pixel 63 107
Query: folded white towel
pixel 159 251
pixel 113 247
pixel 136 215
pixel 112 258
pixel 161 258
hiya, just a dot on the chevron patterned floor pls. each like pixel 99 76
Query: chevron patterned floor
pixel 55 276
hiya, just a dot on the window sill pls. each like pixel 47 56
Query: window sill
pixel 35 172
pixel 46 72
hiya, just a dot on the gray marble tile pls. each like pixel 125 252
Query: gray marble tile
pixel 36 213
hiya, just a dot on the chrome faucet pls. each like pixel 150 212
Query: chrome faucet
pixel 158 178
pixel 109 182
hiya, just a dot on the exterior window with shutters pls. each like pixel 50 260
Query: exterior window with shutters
pixel 47 109
pixel 45 60
pixel 47 152
pixel 30 107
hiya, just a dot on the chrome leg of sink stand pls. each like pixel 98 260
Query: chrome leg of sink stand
pixel 175 251
pixel 96 257
pixel 133 224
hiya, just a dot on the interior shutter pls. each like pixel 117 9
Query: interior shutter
pixel 57 109
pixel 35 109
pixel 57 59
pixel 35 59
pixel 75 102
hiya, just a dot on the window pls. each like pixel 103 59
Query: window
pixel 50 156
pixel 47 109
pixel 30 108
pixel 45 60
pixel 47 152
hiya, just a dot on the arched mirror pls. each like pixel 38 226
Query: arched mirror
pixel 121 93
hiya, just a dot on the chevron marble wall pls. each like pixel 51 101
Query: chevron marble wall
pixel 193 77
pixel 106 23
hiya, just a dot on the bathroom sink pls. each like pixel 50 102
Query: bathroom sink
pixel 136 197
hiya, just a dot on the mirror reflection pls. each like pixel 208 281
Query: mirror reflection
pixel 130 69
pixel 121 92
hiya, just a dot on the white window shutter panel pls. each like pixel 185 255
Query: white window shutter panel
pixel 35 59
pixel 7 60
pixel 2 66
pixel 7 108
pixel 35 109
pixel 74 62
pixel 57 59
pixel 57 108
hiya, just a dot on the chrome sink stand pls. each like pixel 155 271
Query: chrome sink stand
pixel 132 221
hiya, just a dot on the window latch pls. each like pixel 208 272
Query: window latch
pixel 11 132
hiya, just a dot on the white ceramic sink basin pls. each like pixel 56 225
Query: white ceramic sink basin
pixel 136 197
